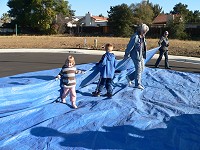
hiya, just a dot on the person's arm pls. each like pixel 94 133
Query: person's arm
pixel 60 74
pixel 79 72
pixel 101 60
pixel 130 46
pixel 115 63
pixel 160 41
pixel 167 42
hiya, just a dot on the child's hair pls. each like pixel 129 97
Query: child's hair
pixel 108 47
pixel 70 59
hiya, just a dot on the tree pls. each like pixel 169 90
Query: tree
pixel 196 16
pixel 5 18
pixel 177 29
pixel 182 10
pixel 156 9
pixel 101 15
pixel 38 15
pixel 188 16
pixel 121 20
pixel 142 13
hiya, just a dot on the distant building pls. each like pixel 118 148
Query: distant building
pixel 93 21
pixel 162 19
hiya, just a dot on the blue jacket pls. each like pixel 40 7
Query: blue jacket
pixel 134 48
pixel 107 65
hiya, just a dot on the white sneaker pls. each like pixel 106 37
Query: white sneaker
pixel 140 87
pixel 64 101
pixel 74 105
pixel 129 81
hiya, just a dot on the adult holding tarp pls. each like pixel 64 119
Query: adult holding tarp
pixel 136 49
pixel 163 43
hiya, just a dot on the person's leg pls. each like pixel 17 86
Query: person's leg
pixel 73 97
pixel 140 78
pixel 159 58
pixel 64 94
pixel 166 60
pixel 100 86
pixel 142 65
pixel 138 70
pixel 109 87
pixel 131 76
pixel 139 65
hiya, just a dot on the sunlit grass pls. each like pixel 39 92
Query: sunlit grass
pixel 177 47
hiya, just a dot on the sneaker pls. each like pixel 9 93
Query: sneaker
pixel 74 105
pixel 140 87
pixel 96 94
pixel 129 81
pixel 156 66
pixel 168 68
pixel 63 101
pixel 109 95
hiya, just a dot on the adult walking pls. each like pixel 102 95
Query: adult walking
pixel 164 44
pixel 136 49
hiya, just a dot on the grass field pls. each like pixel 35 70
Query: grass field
pixel 177 47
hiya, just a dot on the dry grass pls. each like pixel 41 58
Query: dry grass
pixel 177 47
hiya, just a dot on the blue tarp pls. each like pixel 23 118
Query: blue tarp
pixel 164 116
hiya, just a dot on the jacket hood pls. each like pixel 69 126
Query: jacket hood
pixel 109 56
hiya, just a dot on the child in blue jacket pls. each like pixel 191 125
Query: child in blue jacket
pixel 106 66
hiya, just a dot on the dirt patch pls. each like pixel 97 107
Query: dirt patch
pixel 177 47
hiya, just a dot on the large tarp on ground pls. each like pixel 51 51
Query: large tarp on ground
pixel 163 116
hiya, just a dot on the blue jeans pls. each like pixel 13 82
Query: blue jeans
pixel 107 82
pixel 137 74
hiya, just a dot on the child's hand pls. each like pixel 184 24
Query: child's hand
pixel 57 77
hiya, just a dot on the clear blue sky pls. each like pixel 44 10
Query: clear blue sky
pixel 101 7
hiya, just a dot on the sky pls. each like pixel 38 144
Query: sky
pixel 98 7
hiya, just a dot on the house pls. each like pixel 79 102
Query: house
pixel 73 21
pixel 162 19
pixel 93 21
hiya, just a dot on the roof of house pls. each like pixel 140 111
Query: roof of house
pixel 96 18
pixel 164 18
pixel 100 18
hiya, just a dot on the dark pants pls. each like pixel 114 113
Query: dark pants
pixel 165 53
pixel 104 82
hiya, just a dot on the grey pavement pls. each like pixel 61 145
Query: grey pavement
pixel 16 61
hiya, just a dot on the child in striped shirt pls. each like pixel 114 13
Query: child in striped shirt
pixel 68 80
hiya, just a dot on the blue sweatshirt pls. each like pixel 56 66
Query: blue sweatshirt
pixel 107 65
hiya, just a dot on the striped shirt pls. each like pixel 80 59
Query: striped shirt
pixel 68 76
